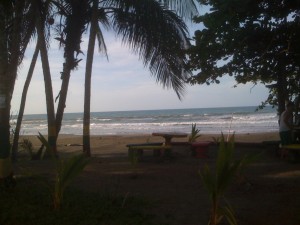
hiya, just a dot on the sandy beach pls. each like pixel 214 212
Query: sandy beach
pixel 110 144
pixel 267 194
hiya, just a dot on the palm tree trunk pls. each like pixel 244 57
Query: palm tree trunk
pixel 4 107
pixel 73 31
pixel 8 74
pixel 22 105
pixel 62 97
pixel 48 85
pixel 87 87
pixel 5 161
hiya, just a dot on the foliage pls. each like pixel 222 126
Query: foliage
pixel 40 154
pixel 194 133
pixel 253 41
pixel 66 171
pixel 217 182
pixel 134 157
pixel 26 145
pixel 152 29
pixel 30 200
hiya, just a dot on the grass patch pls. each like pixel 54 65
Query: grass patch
pixel 30 202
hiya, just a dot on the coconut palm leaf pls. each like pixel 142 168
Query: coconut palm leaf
pixel 67 170
pixel 194 133
pixel 44 141
pixel 101 42
pixel 186 9
pixel 228 212
pixel 158 35
pixel 208 180
pixel 225 154
pixel 217 183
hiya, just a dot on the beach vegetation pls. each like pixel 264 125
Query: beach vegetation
pixel 256 42
pixel 195 133
pixel 217 181
pixel 30 203
pixel 141 33
pixel 27 146
pixel 17 129
pixel 15 34
pixel 145 38
pixel 42 13
pixel 66 171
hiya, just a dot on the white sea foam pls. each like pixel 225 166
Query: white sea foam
pixel 213 120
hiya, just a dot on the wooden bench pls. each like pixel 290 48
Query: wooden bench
pixel 200 149
pixel 138 149
pixel 293 148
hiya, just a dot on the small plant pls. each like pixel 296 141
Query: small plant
pixel 66 171
pixel 218 181
pixel 134 158
pixel 194 133
pixel 26 145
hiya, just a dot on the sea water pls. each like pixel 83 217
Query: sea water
pixel 208 120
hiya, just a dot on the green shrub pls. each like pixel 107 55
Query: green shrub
pixel 218 180
pixel 194 133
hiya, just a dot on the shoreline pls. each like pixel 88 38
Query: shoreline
pixel 241 137
pixel 111 144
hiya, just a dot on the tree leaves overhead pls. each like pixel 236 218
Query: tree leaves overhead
pixel 252 40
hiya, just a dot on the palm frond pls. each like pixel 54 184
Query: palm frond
pixel 225 153
pixel 208 180
pixel 70 168
pixel 46 144
pixel 66 172
pixel 194 133
pixel 158 35
pixel 185 8
pixel 228 212
pixel 227 168
pixel 101 42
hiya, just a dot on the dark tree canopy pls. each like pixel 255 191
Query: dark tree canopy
pixel 251 40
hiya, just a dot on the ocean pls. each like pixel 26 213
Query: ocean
pixel 209 120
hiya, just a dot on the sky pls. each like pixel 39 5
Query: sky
pixel 122 83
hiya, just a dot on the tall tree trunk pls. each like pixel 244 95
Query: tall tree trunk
pixel 281 92
pixel 63 96
pixel 5 168
pixel 8 73
pixel 87 86
pixel 73 31
pixel 48 84
pixel 22 104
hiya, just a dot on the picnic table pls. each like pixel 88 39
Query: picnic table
pixel 169 135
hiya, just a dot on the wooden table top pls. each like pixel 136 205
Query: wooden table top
pixel 169 134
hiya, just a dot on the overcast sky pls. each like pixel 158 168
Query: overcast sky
pixel 122 83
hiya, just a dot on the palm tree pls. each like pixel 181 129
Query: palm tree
pixel 151 30
pixel 22 104
pixel 162 51
pixel 70 32
pixel 95 31
pixel 41 11
pixel 15 32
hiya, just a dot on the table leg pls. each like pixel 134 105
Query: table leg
pixel 167 153
pixel 168 141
